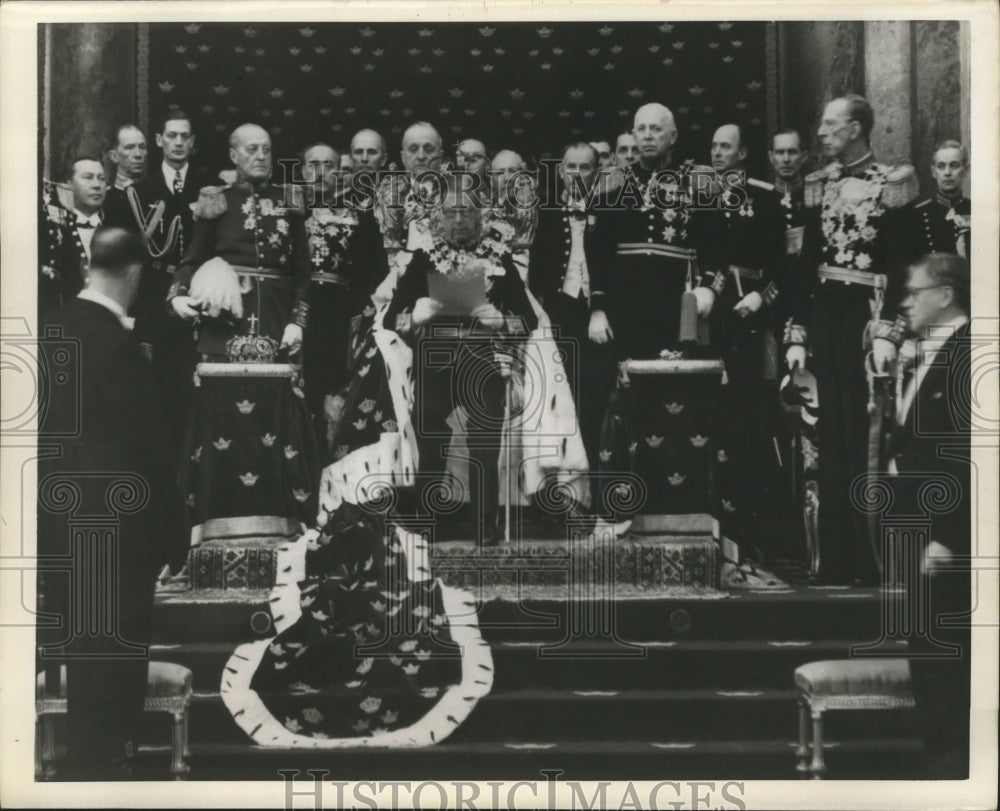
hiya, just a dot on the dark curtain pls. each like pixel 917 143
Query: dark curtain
pixel 527 86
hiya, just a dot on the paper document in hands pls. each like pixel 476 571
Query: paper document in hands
pixel 458 295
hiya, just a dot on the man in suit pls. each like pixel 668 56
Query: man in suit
pixel 66 246
pixel 119 460
pixel 931 443
pixel 562 255
pixel 158 207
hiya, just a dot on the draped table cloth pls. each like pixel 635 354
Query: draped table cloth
pixel 252 468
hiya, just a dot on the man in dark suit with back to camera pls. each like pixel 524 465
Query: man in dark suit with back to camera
pixel 930 449
pixel 117 464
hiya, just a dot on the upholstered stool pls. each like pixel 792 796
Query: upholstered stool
pixel 848 684
pixel 168 689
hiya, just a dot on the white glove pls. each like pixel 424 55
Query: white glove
pixel 705 299
pixel 599 330
pixel 883 353
pixel 291 338
pixel 424 310
pixel 795 355
pixel 489 316
pixel 185 307
pixel 750 303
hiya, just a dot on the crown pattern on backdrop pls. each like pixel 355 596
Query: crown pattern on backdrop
pixel 252 348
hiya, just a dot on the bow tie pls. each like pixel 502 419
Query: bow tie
pixel 576 213
pixel 90 223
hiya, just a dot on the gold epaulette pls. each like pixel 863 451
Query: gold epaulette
pixel 901 186
pixel 760 184
pixel 813 188
pixel 211 203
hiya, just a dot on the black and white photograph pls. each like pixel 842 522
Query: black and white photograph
pixel 468 405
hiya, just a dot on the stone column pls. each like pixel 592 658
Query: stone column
pixel 818 61
pixel 941 103
pixel 91 86
pixel 889 89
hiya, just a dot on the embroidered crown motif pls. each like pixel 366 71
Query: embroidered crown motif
pixel 245 406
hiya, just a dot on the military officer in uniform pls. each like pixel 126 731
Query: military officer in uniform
pixel 128 157
pixel 347 261
pixel 158 208
pixel 740 259
pixel 251 228
pixel 942 223
pixel 846 293
pixel 66 246
pixel 636 301
pixel 786 157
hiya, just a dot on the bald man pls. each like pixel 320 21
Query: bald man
pixel 505 167
pixel 637 296
pixel 248 268
pixel 347 261
pixel 249 226
pixel 400 206
pixel 741 262
pixel 368 150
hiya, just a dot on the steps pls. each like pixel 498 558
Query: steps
pixel 882 759
pixel 693 683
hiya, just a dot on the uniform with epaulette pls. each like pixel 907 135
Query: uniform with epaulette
pixel 263 239
pixel 651 232
pixel 848 293
pixel 347 261
pixel 939 224
pixel 742 252
pixel 162 216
